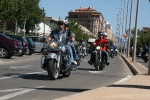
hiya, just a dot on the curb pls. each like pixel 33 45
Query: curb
pixel 136 68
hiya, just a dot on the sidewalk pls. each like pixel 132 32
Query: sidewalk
pixel 135 88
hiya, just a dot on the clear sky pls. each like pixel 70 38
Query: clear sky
pixel 56 8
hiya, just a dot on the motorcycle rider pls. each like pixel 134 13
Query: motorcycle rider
pixel 59 35
pixel 103 42
pixel 145 49
pixel 82 44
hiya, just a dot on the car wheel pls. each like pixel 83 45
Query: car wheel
pixel 3 52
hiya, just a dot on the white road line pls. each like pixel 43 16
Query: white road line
pixel 97 72
pixel 14 76
pixel 124 79
pixel 5 97
pixel 26 66
pixel 10 90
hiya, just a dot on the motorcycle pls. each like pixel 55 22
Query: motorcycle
pixel 99 62
pixel 56 60
pixel 145 57
pixel 111 53
pixel 116 52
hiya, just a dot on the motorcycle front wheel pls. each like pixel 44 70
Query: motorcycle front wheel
pixel 96 65
pixel 52 69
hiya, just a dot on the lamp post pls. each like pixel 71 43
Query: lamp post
pixel 119 24
pixel 122 25
pixel 129 31
pixel 126 28
pixel 135 35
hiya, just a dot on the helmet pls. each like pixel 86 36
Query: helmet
pixel 66 23
pixel 71 34
pixel 61 22
pixel 104 33
pixel 99 33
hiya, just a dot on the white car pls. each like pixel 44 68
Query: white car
pixel 38 44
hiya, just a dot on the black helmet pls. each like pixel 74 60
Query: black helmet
pixel 61 22
pixel 100 33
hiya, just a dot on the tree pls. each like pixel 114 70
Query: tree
pixel 7 9
pixel 76 28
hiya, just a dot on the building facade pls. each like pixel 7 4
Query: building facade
pixel 89 18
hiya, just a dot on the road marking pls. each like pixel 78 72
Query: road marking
pixel 10 90
pixel 5 97
pixel 14 76
pixel 85 60
pixel 26 66
pixel 97 72
pixel 124 79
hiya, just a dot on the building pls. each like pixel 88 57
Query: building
pixel 51 22
pixel 89 18
pixel 146 29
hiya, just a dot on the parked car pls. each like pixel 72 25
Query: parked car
pixel 23 40
pixel 31 46
pixel 38 44
pixel 9 46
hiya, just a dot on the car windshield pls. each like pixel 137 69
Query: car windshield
pixel 31 41
pixel 36 39
pixel 24 39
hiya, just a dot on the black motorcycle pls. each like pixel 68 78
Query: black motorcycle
pixel 112 52
pixel 99 61
pixel 56 60
pixel 145 57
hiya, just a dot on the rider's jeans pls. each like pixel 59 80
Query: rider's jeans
pixel 69 53
pixel 75 56
pixel 106 55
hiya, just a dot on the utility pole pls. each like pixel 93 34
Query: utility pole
pixel 24 27
pixel 129 31
pixel 126 29
pixel 135 34
pixel 122 26
pixel 43 22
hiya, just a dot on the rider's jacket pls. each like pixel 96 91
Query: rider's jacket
pixel 102 42
pixel 59 37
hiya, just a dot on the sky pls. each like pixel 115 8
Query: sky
pixel 60 8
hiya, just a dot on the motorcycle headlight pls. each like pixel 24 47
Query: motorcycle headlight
pixel 52 45
pixel 98 48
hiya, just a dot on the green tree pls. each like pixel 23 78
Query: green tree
pixel 7 9
pixel 76 28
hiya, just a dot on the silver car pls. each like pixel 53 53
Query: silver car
pixel 38 44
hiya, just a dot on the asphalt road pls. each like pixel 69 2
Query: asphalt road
pixel 23 79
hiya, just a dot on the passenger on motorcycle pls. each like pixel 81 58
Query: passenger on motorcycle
pixel 103 42
pixel 71 41
pixel 59 35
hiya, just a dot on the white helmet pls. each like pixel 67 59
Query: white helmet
pixel 104 33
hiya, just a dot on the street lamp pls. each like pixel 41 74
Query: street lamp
pixel 129 31
pixel 135 35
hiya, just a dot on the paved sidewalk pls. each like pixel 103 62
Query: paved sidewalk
pixel 135 88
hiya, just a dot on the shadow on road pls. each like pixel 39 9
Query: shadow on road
pixel 131 86
pixel 61 89
pixel 86 69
